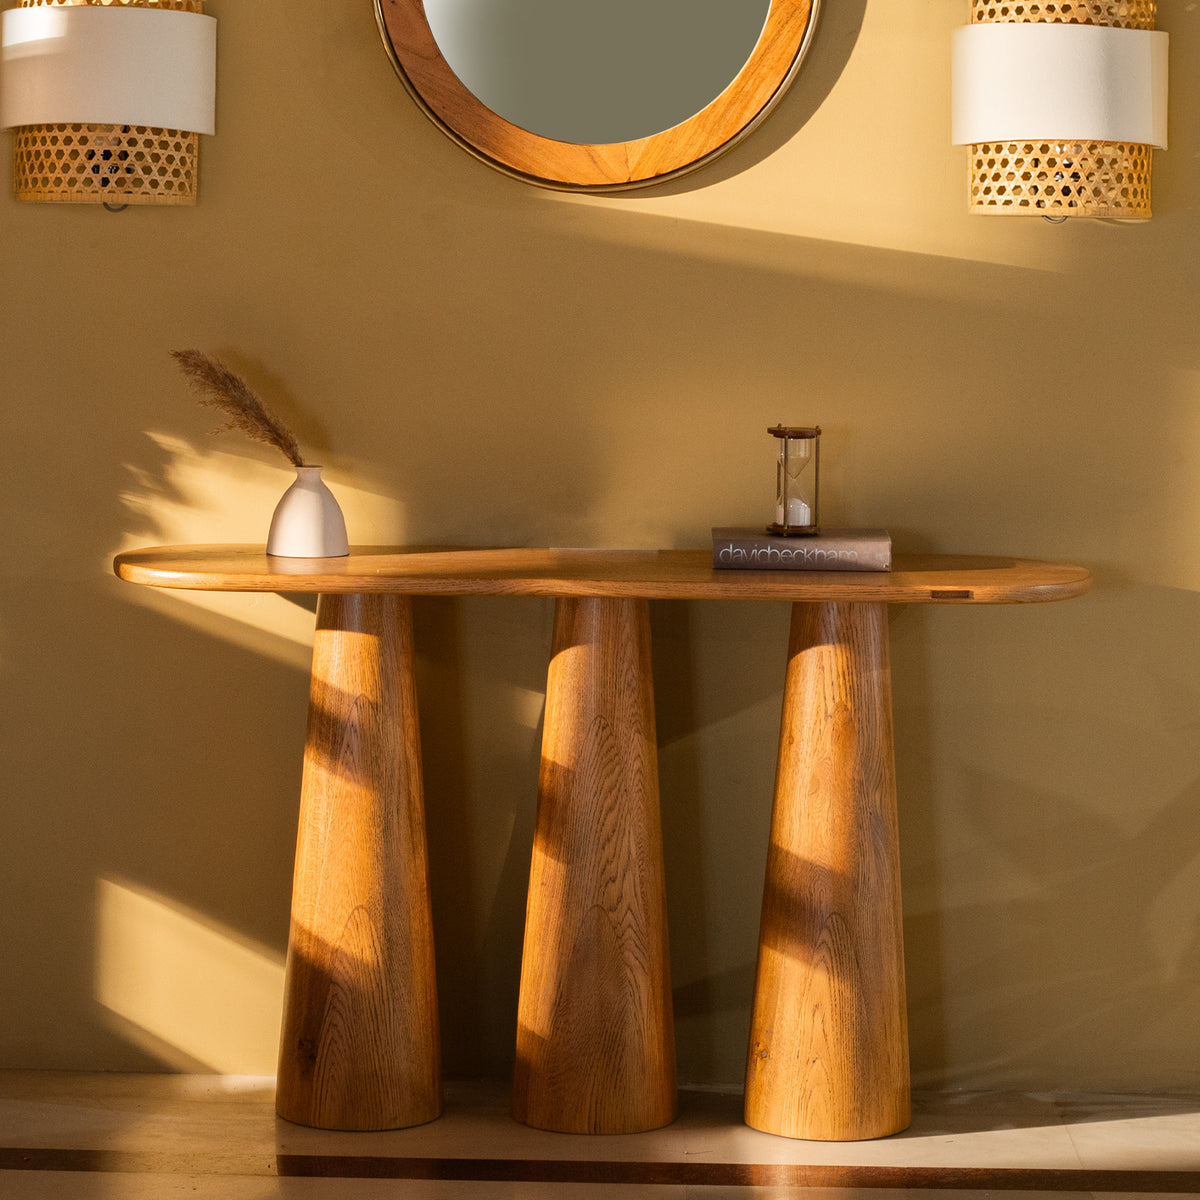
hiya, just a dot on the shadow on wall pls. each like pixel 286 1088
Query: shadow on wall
pixel 481 676
pixel 832 46
pixel 1052 855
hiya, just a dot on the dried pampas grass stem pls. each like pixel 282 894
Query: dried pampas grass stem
pixel 218 387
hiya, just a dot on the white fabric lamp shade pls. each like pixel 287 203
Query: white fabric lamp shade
pixel 110 65
pixel 1059 82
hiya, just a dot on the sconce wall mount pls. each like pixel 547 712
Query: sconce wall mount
pixel 1061 103
pixel 107 98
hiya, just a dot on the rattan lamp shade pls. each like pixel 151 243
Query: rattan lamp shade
pixel 1061 119
pixel 107 99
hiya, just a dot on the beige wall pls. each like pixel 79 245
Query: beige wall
pixel 477 360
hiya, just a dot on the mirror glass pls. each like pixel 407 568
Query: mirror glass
pixel 596 71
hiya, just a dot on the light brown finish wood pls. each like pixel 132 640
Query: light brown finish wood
pixel 360 1045
pixel 595 1038
pixel 573 166
pixel 828 1055
pixel 650 574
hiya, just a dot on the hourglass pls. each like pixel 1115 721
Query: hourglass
pixel 797 478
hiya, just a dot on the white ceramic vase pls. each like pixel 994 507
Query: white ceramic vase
pixel 308 522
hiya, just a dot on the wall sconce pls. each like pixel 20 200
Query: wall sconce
pixel 107 100
pixel 797 480
pixel 1061 102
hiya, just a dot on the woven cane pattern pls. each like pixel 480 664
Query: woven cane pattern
pixel 1125 14
pixel 118 164
pixel 121 164
pixel 1057 179
pixel 1094 179
pixel 193 6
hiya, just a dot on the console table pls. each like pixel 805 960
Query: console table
pixel 828 1055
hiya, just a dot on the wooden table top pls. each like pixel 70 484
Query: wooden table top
pixel 649 574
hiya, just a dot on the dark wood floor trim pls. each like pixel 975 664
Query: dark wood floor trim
pixel 666 1174
pixel 741 1174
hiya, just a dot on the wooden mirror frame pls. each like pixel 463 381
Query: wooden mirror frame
pixel 611 167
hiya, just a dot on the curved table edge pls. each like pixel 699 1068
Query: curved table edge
pixel 662 575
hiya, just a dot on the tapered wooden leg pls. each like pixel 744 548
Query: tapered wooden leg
pixel 360 1045
pixel 595 1038
pixel 828 1053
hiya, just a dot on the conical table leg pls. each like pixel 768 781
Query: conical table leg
pixel 360 1046
pixel 828 1054
pixel 595 1039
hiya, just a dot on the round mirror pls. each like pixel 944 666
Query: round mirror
pixel 596 94
pixel 582 71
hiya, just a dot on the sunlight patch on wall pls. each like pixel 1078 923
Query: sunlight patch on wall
pixel 524 706
pixel 204 496
pixel 854 172
pixel 748 237
pixel 187 981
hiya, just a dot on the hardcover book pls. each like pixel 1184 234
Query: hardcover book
pixel 753 549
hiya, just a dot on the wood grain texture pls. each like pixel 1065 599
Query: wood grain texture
pixel 360 1047
pixel 595 1038
pixel 828 1056
pixel 649 574
pixel 475 127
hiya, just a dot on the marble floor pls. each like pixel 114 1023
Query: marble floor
pixel 142 1137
